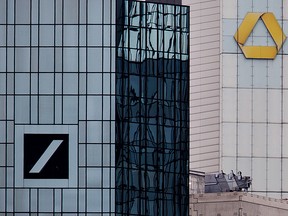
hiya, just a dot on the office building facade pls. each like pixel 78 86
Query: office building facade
pixel 152 109
pixel 94 108
pixel 238 102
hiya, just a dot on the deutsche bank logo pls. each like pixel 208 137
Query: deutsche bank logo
pixel 46 156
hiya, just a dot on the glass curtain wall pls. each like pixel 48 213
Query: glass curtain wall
pixel 152 109
pixel 57 64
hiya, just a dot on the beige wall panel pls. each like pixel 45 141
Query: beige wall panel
pixel 203 109
pixel 207 53
pixel 205 32
pixel 211 148
pixel 199 155
pixel 204 122
pixel 205 46
pixel 204 19
pixel 202 135
pixel 208 128
pixel 204 143
pixel 204 83
pixel 208 114
pixel 205 39
pixel 207 60
pixel 205 87
pixel 200 165
pixel 206 94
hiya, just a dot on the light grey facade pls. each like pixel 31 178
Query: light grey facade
pixel 57 76
pixel 239 121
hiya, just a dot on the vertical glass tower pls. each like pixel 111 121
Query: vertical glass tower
pixel 93 108
pixel 152 109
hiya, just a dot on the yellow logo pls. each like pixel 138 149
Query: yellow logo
pixel 246 27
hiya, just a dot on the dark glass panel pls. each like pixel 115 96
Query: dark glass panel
pixel 152 110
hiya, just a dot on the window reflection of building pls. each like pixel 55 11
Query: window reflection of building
pixel 152 109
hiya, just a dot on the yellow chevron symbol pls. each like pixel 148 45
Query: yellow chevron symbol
pixel 273 27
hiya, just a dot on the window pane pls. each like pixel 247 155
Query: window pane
pixel 46 83
pixel 71 35
pixel 95 7
pixel 2 11
pixel 46 62
pixel 22 109
pixel 22 58
pixel 70 83
pixel 46 35
pixel 22 83
pixel 46 11
pixel 70 109
pixel 94 132
pixel 22 11
pixel 46 109
pixel 70 60
pixel 70 11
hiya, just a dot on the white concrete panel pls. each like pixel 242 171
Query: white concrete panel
pixel 244 139
pixel 229 45
pixel 285 140
pixel 259 105
pixel 244 105
pixel 275 6
pixel 275 72
pixel 285 106
pixel 244 165
pixel 229 70
pixel 229 8
pixel 228 163
pixel 285 12
pixel 245 67
pixel 228 139
pixel 244 7
pixel 229 27
pixel 274 140
pixel 285 175
pixel 259 6
pixel 285 30
pixel 274 105
pixel 285 71
pixel 259 140
pixel 274 174
pixel 260 72
pixel 229 105
pixel 259 174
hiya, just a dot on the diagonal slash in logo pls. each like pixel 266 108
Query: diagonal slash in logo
pixel 46 156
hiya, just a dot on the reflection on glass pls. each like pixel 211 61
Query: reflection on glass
pixel 152 110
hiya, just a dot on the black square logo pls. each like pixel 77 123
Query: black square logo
pixel 46 156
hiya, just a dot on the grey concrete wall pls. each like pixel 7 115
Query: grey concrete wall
pixel 236 204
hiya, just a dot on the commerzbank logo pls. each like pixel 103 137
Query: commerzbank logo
pixel 273 27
